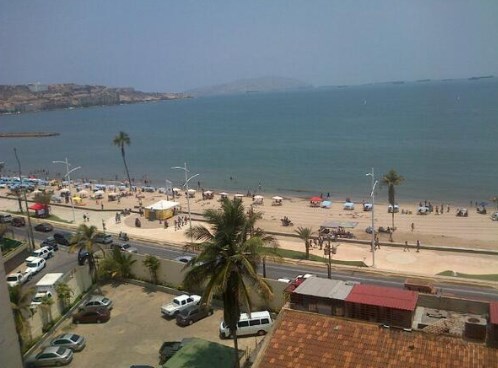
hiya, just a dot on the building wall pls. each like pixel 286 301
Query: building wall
pixel 10 351
pixel 452 304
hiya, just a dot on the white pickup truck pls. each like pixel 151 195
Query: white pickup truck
pixel 178 304
pixel 19 278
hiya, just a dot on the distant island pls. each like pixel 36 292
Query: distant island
pixel 253 85
pixel 16 99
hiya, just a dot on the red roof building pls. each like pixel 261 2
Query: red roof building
pixel 493 313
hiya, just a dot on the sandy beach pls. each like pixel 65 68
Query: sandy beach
pixel 474 231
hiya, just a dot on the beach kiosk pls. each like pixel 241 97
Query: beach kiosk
pixel 161 210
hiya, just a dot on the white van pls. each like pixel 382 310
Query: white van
pixel 257 323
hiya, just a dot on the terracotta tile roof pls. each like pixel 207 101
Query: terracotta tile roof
pixel 493 313
pixel 302 339
pixel 383 296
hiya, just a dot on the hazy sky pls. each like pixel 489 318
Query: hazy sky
pixel 165 45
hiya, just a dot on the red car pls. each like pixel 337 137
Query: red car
pixel 92 316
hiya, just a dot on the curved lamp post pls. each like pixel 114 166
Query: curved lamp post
pixel 68 173
pixel 187 179
pixel 372 195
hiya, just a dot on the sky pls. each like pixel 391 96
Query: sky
pixel 173 46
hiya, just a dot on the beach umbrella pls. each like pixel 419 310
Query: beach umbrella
pixel 277 198
pixel 258 197
pixel 315 199
pixel 238 195
pixel 191 191
pixel 35 192
pixel 83 193
pixel 65 191
pixel 99 192
pixel 176 190
pixel 326 204
pixel 208 192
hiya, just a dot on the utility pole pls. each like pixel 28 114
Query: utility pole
pixel 29 230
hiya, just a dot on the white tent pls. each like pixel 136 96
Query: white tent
pixel 163 205
pixel 161 210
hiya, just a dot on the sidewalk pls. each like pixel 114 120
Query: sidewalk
pixel 393 259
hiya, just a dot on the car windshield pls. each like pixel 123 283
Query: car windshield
pixel 74 338
pixel 61 351
pixel 32 264
pixel 12 278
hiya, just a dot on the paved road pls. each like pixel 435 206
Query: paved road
pixel 64 261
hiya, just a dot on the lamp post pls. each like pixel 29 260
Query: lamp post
pixel 187 179
pixel 68 173
pixel 372 194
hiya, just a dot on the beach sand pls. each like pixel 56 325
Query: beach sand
pixel 475 231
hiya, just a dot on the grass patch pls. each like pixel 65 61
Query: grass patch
pixel 486 277
pixel 51 217
pixel 293 254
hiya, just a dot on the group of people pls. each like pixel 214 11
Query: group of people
pixel 180 222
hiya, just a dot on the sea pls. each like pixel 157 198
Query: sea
pixel 441 136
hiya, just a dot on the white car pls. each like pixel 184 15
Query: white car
pixel 43 252
pixel 18 278
pixel 38 298
pixel 36 265
pixel 184 258
pixel 178 304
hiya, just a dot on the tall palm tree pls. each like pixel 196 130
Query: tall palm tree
pixel 122 140
pixel 117 265
pixel 228 262
pixel 305 233
pixel 153 264
pixel 46 308
pixel 392 179
pixel 84 239
pixel 20 301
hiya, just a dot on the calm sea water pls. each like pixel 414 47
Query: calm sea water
pixel 441 136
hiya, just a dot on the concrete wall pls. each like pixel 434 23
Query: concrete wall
pixel 171 273
pixel 10 351
pixel 453 304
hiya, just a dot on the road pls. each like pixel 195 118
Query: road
pixel 65 261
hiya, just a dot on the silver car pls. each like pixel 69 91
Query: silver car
pixel 97 301
pixel 70 341
pixel 51 356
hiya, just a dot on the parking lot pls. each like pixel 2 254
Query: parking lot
pixel 136 330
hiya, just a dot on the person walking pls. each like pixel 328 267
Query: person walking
pixel 418 246
pixel 406 248
pixel 413 226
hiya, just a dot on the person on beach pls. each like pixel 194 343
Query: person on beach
pixel 406 249
pixel 377 242
pixel 418 246
pixel 84 218
pixel 413 226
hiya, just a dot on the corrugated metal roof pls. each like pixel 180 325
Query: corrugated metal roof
pixel 493 313
pixel 383 297
pixel 325 288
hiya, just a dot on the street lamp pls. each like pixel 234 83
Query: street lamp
pixel 374 184
pixel 68 172
pixel 187 179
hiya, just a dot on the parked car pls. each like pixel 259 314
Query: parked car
pixel 43 252
pixel 92 316
pixel 18 222
pixel 125 247
pixel 184 258
pixel 83 256
pixel 69 341
pixel 51 356
pixel 36 265
pixel 5 218
pixel 103 238
pixel 193 313
pixel 96 302
pixel 50 243
pixel 178 304
pixel 44 227
pixel 63 238
pixel 18 278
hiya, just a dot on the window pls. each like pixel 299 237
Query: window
pixel 243 324
pixel 265 321
pixel 255 322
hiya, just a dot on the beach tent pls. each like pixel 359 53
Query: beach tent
pixel 277 201
pixel 258 199
pixel 65 190
pixel 367 206
pixel 35 192
pixel 315 201
pixel 326 204
pixel 191 193
pixel 161 210
pixel 77 200
pixel 207 194
pixel 423 210
pixel 41 210
pixel 83 193
pixel 390 208
pixel 223 195
pixel 238 196
pixel 112 197
pixel 348 206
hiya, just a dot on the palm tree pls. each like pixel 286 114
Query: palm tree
pixel 119 264
pixel 153 264
pixel 20 301
pixel 391 179
pixel 305 233
pixel 228 262
pixel 84 240
pixel 64 293
pixel 46 307
pixel 122 140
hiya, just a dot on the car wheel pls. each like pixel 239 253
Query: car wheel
pixel 190 322
pixel 261 333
